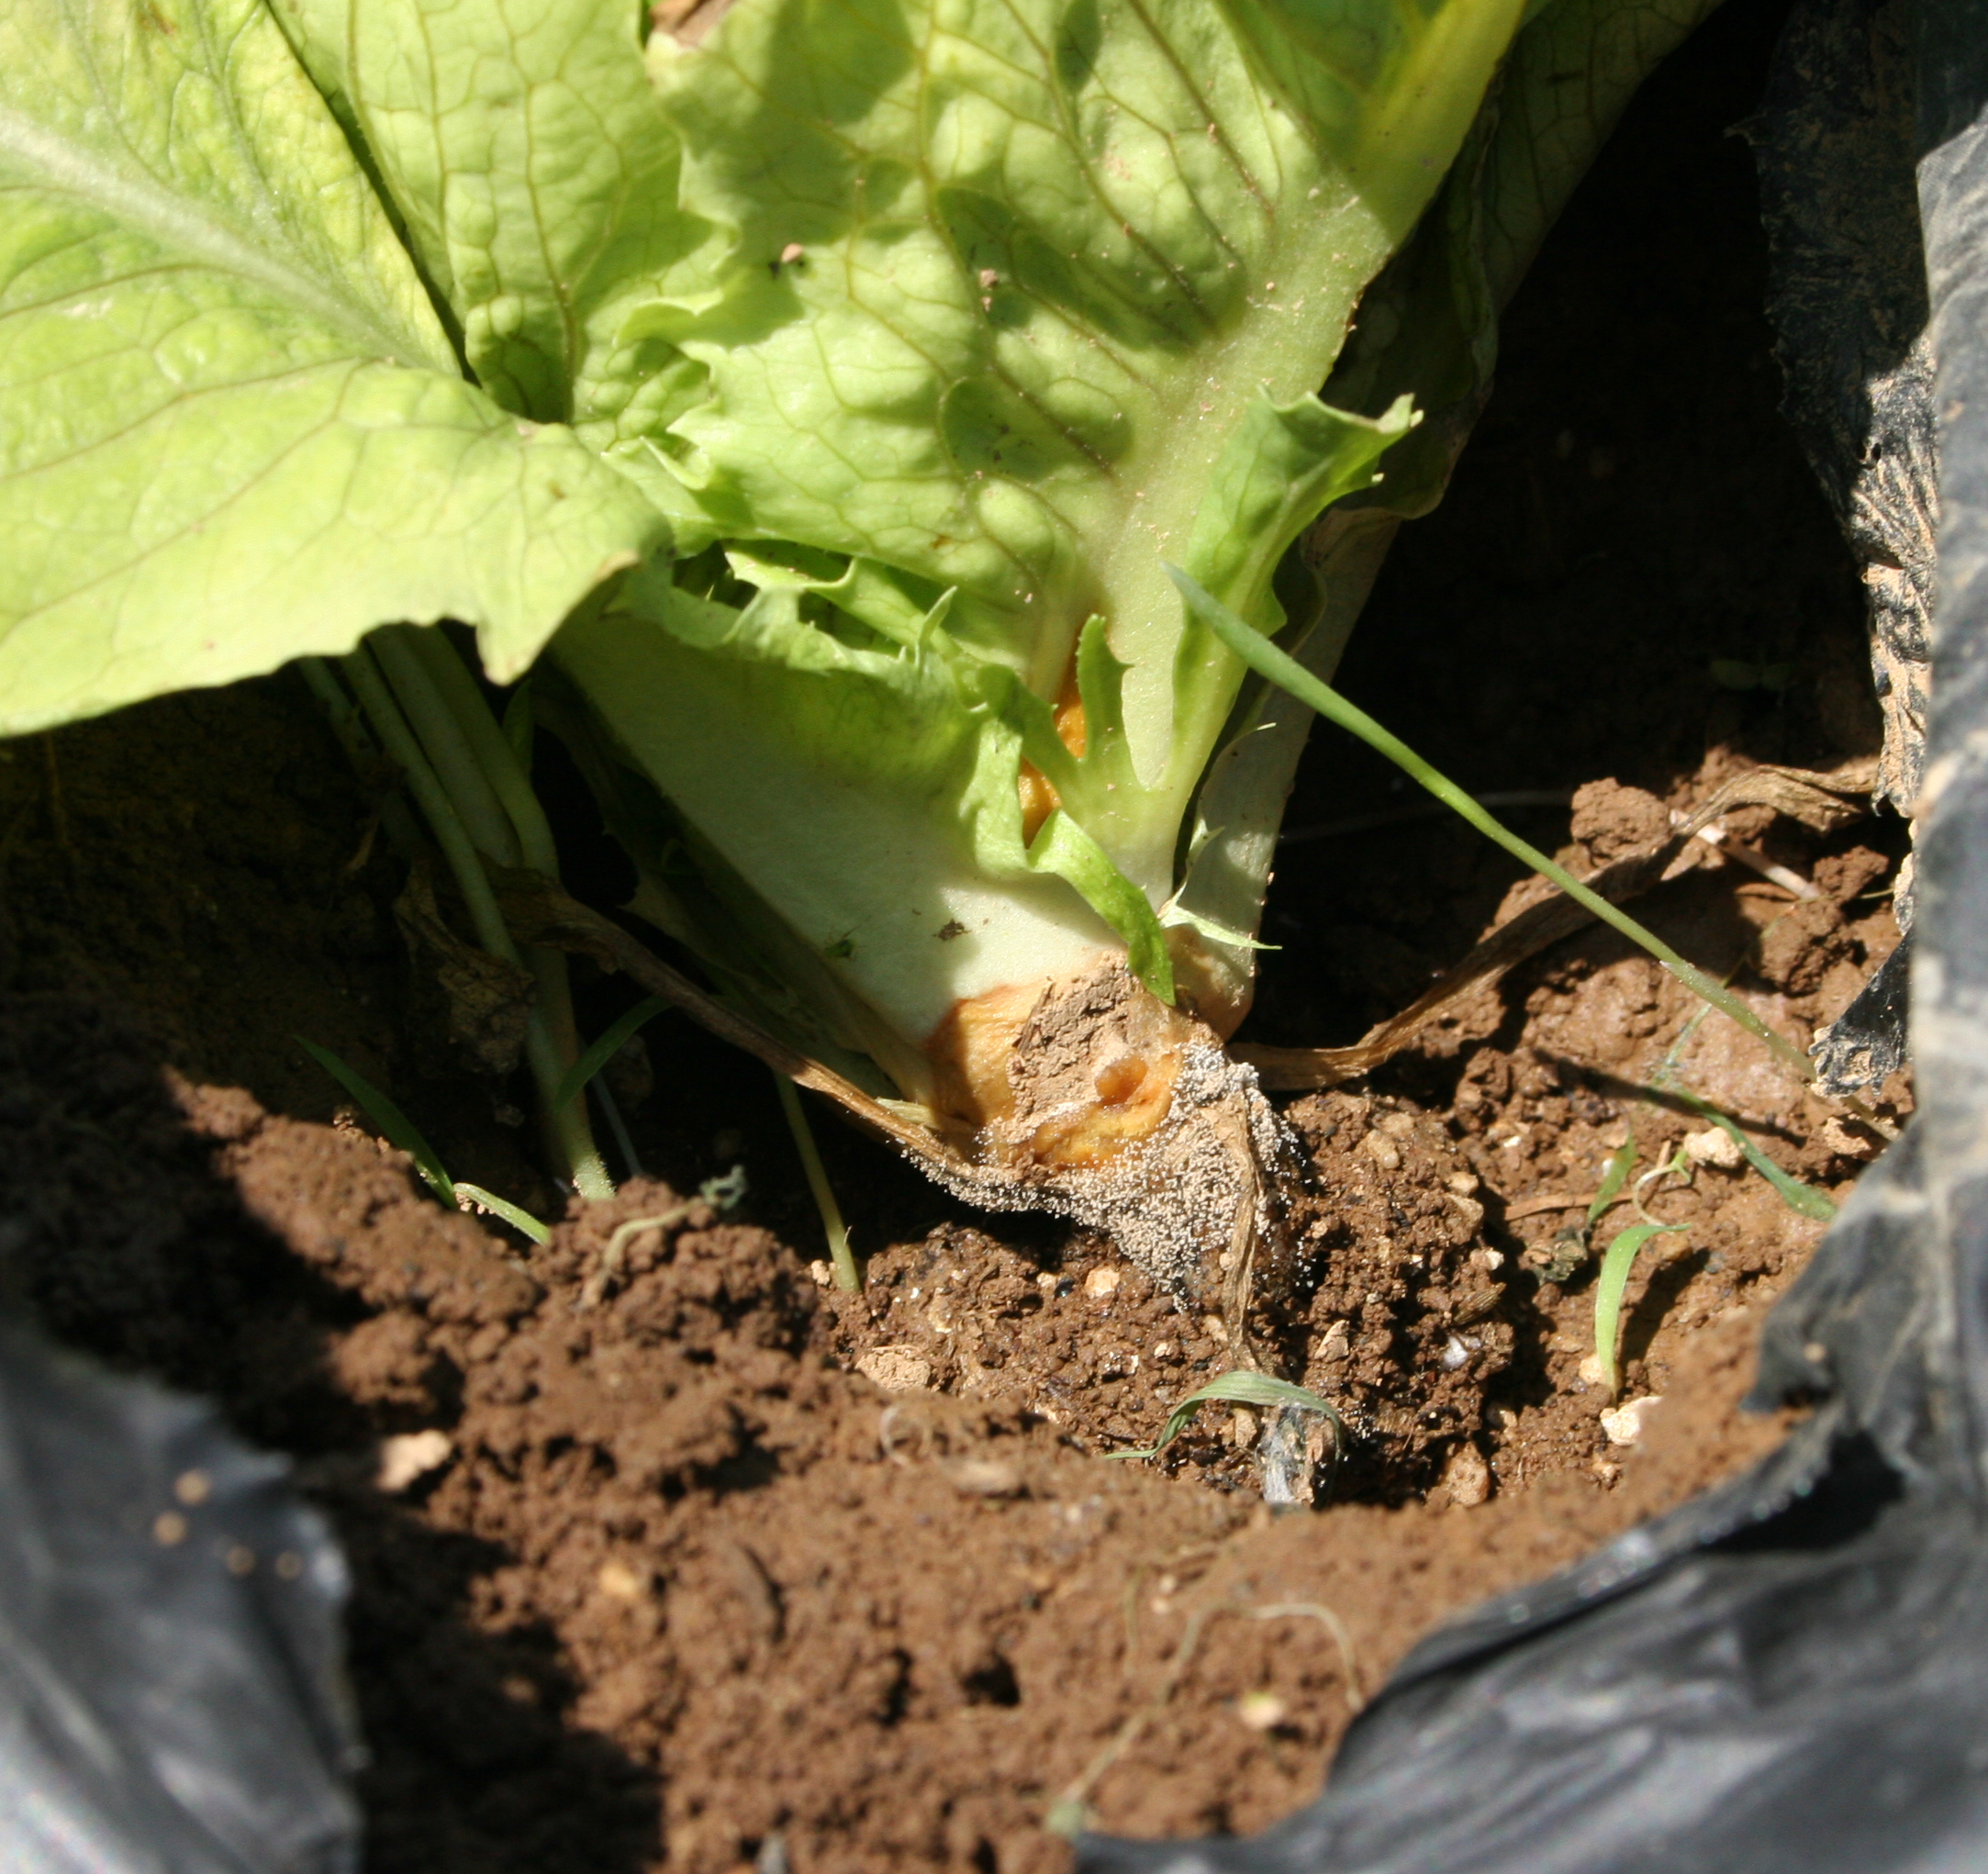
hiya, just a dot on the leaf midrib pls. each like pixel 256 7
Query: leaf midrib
pixel 140 202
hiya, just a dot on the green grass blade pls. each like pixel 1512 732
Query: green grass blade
pixel 1609 1286
pixel 612 1040
pixel 1233 1389
pixel 1804 1199
pixel 1267 660
pixel 1614 1175
pixel 520 1219
pixel 399 1130
pixel 394 1125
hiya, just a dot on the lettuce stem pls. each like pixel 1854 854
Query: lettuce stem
pixel 448 749
pixel 436 672
pixel 349 726
pixel 437 806
pixel 492 749
pixel 611 1112
pixel 569 1134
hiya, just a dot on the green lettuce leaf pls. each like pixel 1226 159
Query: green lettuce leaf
pixel 526 154
pixel 232 430
pixel 1010 301
pixel 1046 258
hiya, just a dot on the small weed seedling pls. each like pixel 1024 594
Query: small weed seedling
pixel 1619 1258
pixel 1239 1388
pixel 841 1258
pixel 399 1131
pixel 1804 1199
pixel 1267 660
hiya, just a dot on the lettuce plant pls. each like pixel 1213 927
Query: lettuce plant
pixel 828 388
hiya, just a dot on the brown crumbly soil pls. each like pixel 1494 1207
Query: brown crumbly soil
pixel 638 1566
pixel 669 1555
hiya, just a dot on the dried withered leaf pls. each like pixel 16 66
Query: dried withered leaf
pixel 487 1000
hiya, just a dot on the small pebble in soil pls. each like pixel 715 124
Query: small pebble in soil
pixel 1624 1425
pixel 986 1477
pixel 1842 1141
pixel 408 1458
pixel 895 1369
pixel 1467 1479
pixel 620 1583
pixel 1716 1147
pixel 1261 1710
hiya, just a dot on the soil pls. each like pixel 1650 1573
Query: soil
pixel 667 1554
